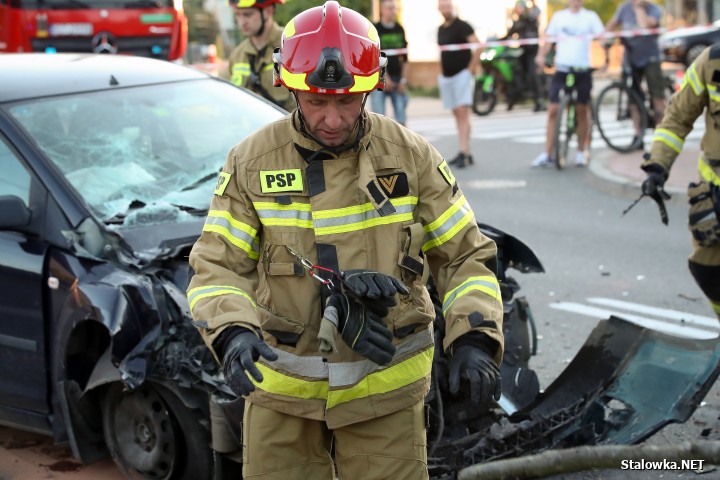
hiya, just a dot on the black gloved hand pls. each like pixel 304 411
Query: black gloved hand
pixel 655 181
pixel 361 329
pixel 240 349
pixel 471 360
pixel 376 290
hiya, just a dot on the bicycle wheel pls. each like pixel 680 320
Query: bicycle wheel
pixel 485 94
pixel 614 118
pixel 564 130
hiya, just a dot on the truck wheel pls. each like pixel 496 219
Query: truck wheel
pixel 151 435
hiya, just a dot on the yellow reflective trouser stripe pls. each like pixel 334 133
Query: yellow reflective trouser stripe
pixel 199 293
pixel 267 67
pixel 486 284
pixel 340 220
pixel 387 380
pixel 448 224
pixel 707 173
pixel 669 138
pixel 691 78
pixel 714 95
pixel 238 233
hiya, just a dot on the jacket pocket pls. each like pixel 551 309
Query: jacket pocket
pixel 703 213
pixel 285 330
pixel 413 312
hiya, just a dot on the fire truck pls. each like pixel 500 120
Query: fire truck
pixel 149 28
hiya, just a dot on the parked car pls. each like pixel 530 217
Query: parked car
pixel 685 44
pixel 108 166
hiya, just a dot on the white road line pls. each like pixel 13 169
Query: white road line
pixel 659 325
pixel 657 312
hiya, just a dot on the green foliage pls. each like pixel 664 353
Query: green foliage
pixel 291 8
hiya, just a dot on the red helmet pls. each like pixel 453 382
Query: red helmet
pixel 253 3
pixel 330 49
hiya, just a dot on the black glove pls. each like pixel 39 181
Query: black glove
pixel 240 349
pixel 360 328
pixel 656 177
pixel 471 360
pixel 376 290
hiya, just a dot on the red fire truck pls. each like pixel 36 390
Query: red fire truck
pixel 149 28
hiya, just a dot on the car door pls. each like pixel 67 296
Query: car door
pixel 23 378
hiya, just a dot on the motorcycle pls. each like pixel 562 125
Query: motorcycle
pixel 503 75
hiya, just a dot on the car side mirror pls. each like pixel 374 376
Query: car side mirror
pixel 13 212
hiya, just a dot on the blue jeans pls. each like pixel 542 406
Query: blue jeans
pixel 399 102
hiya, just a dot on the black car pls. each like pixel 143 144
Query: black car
pixel 108 166
pixel 685 44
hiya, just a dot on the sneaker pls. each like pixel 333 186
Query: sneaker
pixel 542 160
pixel 582 158
pixel 462 160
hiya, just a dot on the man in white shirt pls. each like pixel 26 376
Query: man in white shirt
pixel 575 26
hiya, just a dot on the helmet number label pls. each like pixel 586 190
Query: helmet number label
pixel 273 181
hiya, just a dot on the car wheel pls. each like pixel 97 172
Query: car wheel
pixel 151 435
pixel 693 53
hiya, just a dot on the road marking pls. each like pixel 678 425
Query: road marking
pixel 493 184
pixel 658 312
pixel 681 330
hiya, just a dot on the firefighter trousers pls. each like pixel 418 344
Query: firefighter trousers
pixel 704 263
pixel 277 446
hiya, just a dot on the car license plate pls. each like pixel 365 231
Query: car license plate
pixel 71 29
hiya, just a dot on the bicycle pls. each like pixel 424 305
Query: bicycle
pixel 618 104
pixel 566 119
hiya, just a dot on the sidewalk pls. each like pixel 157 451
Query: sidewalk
pixel 608 165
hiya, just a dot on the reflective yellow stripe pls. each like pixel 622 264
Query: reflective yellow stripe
pixel 707 172
pixel 448 224
pixel 365 84
pixel 281 384
pixel 239 234
pixel 289 29
pixel 387 380
pixel 294 215
pixel 361 217
pixel 669 138
pixel 294 80
pixel 691 78
pixel 267 67
pixel 713 92
pixel 486 284
pixel 199 293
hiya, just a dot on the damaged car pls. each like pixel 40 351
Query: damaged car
pixel 108 165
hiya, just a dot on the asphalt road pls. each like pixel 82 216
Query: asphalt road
pixel 572 220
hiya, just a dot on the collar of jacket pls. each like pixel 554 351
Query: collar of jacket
pixel 367 180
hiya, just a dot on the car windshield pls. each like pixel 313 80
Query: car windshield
pixel 144 155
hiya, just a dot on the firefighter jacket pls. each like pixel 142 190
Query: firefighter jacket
pixel 253 69
pixel 700 91
pixel 391 206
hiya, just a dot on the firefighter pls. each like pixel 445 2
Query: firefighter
pixel 699 93
pixel 250 64
pixel 310 273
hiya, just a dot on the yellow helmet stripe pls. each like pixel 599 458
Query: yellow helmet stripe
pixel 373 33
pixel 365 84
pixel 294 80
pixel 246 3
pixel 289 29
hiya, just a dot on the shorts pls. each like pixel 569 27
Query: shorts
pixel 653 76
pixel 456 91
pixel 583 86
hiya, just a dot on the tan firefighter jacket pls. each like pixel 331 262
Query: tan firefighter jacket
pixel 699 91
pixel 394 207
pixel 246 64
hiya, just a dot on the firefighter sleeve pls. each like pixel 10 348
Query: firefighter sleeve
pixel 224 259
pixel 458 254
pixel 686 106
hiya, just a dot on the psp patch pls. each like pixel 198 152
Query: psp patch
pixel 394 185
pixel 222 182
pixel 274 181
pixel 446 173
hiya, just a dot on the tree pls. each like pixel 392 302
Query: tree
pixel 292 7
